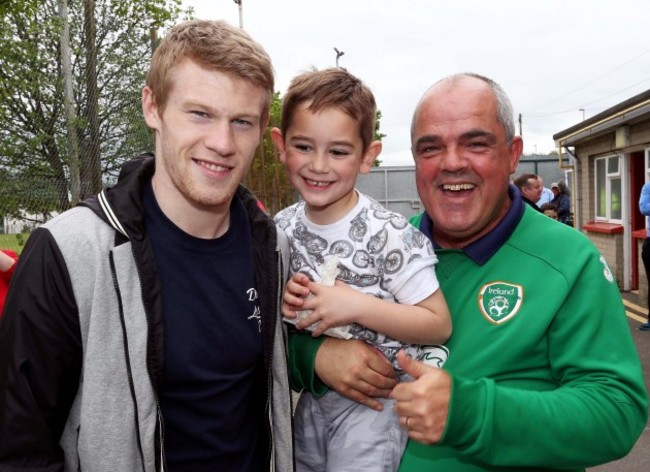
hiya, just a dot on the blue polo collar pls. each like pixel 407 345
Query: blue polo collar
pixel 481 250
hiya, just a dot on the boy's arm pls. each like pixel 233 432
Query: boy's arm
pixel 427 322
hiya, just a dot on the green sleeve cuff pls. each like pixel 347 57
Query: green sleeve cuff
pixel 302 356
pixel 468 412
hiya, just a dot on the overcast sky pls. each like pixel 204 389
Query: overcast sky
pixel 553 57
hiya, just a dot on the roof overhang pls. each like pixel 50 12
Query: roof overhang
pixel 628 112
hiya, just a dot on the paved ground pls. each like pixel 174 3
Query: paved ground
pixel 638 460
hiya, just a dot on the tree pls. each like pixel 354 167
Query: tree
pixel 378 136
pixel 110 47
pixel 266 177
pixel 108 43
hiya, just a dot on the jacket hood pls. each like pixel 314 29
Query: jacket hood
pixel 125 199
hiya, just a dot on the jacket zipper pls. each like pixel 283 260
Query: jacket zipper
pixel 161 434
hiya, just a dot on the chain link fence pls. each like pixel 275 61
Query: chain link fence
pixel 71 75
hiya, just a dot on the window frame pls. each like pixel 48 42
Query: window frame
pixel 608 179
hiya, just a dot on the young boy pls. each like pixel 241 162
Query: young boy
pixel 550 210
pixel 328 125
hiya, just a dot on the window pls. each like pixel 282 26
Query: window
pixel 609 194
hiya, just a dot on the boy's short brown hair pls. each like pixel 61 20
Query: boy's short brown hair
pixel 334 87
pixel 214 45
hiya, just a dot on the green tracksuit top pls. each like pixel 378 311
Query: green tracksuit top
pixel 544 368
pixel 545 374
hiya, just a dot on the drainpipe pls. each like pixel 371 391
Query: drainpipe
pixel 574 201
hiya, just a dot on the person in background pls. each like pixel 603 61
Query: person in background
pixel 644 208
pixel 550 210
pixel 535 368
pixel 530 187
pixel 387 291
pixel 8 260
pixel 142 329
pixel 547 195
pixel 562 201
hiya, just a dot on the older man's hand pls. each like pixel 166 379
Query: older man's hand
pixel 423 404
pixel 355 370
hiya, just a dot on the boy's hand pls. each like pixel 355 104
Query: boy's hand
pixel 295 292
pixel 331 306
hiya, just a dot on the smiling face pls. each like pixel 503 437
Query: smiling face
pixel 206 137
pixel 323 153
pixel 463 161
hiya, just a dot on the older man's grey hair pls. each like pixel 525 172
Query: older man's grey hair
pixel 505 115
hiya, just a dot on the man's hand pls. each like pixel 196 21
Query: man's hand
pixel 355 370
pixel 423 405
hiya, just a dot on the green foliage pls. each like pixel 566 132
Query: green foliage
pixel 378 136
pixel 15 242
pixel 34 152
pixel 34 161
pixel 266 177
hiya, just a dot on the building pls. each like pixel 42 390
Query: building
pixel 612 162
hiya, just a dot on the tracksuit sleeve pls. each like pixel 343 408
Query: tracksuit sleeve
pixel 40 358
pixel 302 355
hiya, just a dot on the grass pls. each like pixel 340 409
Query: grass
pixel 15 242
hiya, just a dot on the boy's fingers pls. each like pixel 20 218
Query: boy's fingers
pixel 289 311
pixel 308 321
pixel 293 300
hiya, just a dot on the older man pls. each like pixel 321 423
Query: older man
pixel 542 376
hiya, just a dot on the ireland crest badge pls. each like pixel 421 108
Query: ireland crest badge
pixel 500 301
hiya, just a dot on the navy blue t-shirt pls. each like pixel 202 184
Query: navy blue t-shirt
pixel 214 389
